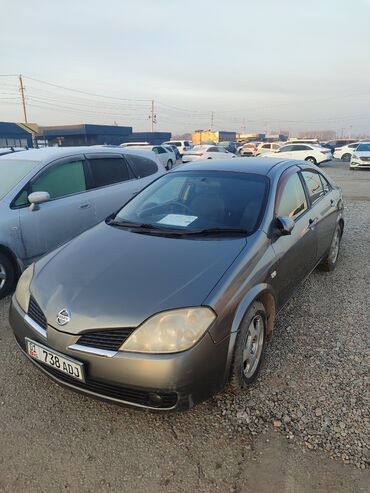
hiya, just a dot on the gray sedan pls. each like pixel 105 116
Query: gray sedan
pixel 48 196
pixel 173 297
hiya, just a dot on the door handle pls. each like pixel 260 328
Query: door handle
pixel 332 202
pixel 312 223
pixel 84 206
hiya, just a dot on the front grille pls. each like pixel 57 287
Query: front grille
pixel 105 339
pixel 37 315
pixel 365 158
pixel 126 394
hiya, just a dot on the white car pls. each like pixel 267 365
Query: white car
pixel 267 147
pixel 201 152
pixel 249 149
pixel 361 156
pixel 166 156
pixel 345 152
pixel 134 144
pixel 305 152
pixel 182 145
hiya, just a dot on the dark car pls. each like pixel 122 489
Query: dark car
pixel 167 301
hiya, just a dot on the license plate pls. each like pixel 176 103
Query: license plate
pixel 56 360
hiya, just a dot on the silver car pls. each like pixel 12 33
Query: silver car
pixel 48 196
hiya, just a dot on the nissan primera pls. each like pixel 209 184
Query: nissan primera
pixel 174 296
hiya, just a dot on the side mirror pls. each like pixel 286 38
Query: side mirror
pixel 284 225
pixel 36 198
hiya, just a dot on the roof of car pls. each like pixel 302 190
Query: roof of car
pixel 261 166
pixel 50 153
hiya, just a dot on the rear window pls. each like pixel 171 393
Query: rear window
pixel 142 166
pixel 12 171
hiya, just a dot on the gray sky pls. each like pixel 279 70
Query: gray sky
pixel 287 64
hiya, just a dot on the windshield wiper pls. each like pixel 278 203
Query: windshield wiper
pixel 130 224
pixel 216 231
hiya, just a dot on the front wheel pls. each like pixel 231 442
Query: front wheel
pixel 346 157
pixel 249 348
pixel 169 164
pixel 329 263
pixel 311 159
pixel 7 276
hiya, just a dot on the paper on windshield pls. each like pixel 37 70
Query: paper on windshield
pixel 177 220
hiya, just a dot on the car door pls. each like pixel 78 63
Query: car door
pixel 68 212
pixel 324 209
pixel 295 253
pixel 112 183
pixel 161 154
pixel 213 153
pixel 286 152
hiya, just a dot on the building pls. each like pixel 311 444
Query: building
pixel 87 134
pixel 250 137
pixel 15 135
pixel 84 134
pixel 154 138
pixel 208 136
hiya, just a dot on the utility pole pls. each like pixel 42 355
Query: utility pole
pixel 152 117
pixel 212 119
pixel 21 88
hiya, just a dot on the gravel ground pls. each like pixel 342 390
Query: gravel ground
pixel 314 385
pixel 310 404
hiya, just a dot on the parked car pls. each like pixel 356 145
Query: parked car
pixel 173 297
pixel 201 152
pixel 361 156
pixel 333 144
pixel 49 195
pixel 267 147
pixel 249 149
pixel 134 144
pixel 182 145
pixel 175 151
pixel 166 156
pixel 294 140
pixel 306 152
pixel 229 146
pixel 345 152
pixel 10 150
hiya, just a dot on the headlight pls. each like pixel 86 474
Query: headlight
pixel 355 156
pixel 22 293
pixel 171 331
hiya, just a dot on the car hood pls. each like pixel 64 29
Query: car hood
pixel 110 277
pixel 362 153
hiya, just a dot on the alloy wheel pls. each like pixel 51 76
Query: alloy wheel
pixel 253 346
pixel 3 276
pixel 334 247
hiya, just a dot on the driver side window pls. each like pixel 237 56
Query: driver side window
pixel 290 197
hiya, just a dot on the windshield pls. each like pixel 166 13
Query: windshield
pixel 192 201
pixel 12 171
pixel 363 147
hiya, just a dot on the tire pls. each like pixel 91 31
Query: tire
pixel 311 159
pixel 253 326
pixel 169 165
pixel 7 275
pixel 329 263
pixel 346 157
pixel 209 158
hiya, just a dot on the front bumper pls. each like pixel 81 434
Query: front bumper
pixel 160 382
pixel 356 163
